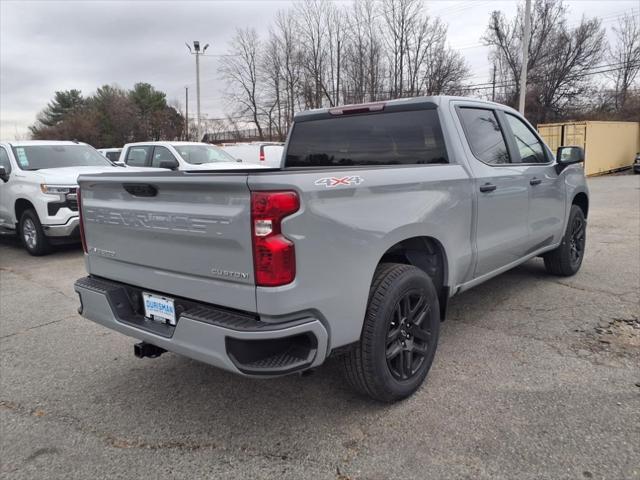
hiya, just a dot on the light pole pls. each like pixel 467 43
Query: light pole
pixel 196 51
pixel 525 55
pixel 186 114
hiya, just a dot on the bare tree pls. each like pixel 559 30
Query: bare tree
pixel 311 15
pixel 560 58
pixel 362 58
pixel 424 42
pixel 323 54
pixel 240 68
pixel 565 73
pixel 445 72
pixel 335 44
pixel 625 56
pixel 271 69
pixel 505 36
pixel 400 17
pixel 284 35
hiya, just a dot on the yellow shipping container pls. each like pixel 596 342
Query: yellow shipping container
pixel 608 146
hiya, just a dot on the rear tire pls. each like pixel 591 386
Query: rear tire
pixel 32 235
pixel 567 258
pixel 399 335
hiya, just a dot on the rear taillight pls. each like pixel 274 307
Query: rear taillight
pixel 274 257
pixel 261 157
pixel 82 237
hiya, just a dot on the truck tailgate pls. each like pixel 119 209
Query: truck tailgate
pixel 180 234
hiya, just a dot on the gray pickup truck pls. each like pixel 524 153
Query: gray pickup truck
pixel 378 215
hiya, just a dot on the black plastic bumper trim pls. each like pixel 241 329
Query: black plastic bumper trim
pixel 126 303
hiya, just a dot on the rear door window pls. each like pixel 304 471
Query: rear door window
pixel 138 156
pixel 484 135
pixel 113 156
pixel 162 154
pixel 397 138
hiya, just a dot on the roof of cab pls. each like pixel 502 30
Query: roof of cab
pixel 396 104
pixel 28 143
pixel 164 143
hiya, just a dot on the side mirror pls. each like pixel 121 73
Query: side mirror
pixel 568 156
pixel 4 176
pixel 170 164
pixel 239 160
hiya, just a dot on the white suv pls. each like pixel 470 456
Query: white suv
pixel 38 183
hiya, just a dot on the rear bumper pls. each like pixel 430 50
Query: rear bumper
pixel 234 341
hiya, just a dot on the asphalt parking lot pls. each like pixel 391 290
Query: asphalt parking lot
pixel 535 377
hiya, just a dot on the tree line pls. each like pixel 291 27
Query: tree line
pixel 573 72
pixel 322 54
pixel 110 117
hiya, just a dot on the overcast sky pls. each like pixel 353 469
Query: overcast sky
pixel 58 45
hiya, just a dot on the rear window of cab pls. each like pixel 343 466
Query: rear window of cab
pixel 395 138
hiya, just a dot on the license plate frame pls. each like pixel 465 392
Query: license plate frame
pixel 159 308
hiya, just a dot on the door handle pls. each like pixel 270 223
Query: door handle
pixel 487 187
pixel 535 181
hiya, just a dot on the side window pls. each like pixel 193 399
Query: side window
pixel 484 135
pixel 530 148
pixel 162 154
pixel 113 156
pixel 4 160
pixel 137 156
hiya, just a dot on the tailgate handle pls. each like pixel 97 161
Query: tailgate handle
pixel 140 189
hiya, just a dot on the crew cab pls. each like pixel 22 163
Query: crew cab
pixel 176 156
pixel 38 182
pixel 378 214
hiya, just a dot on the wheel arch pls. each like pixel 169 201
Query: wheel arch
pixel 20 206
pixel 581 200
pixel 429 255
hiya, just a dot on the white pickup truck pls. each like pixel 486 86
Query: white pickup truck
pixel 38 182
pixel 177 156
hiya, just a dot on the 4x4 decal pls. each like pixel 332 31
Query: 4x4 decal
pixel 331 182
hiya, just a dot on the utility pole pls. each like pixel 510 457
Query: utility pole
pixel 196 51
pixel 493 84
pixel 525 55
pixel 337 98
pixel 186 120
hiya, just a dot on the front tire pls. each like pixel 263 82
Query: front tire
pixel 399 335
pixel 567 258
pixel 32 234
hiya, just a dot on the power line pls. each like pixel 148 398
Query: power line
pixel 464 88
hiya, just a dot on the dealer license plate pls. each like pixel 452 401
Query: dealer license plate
pixel 159 308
